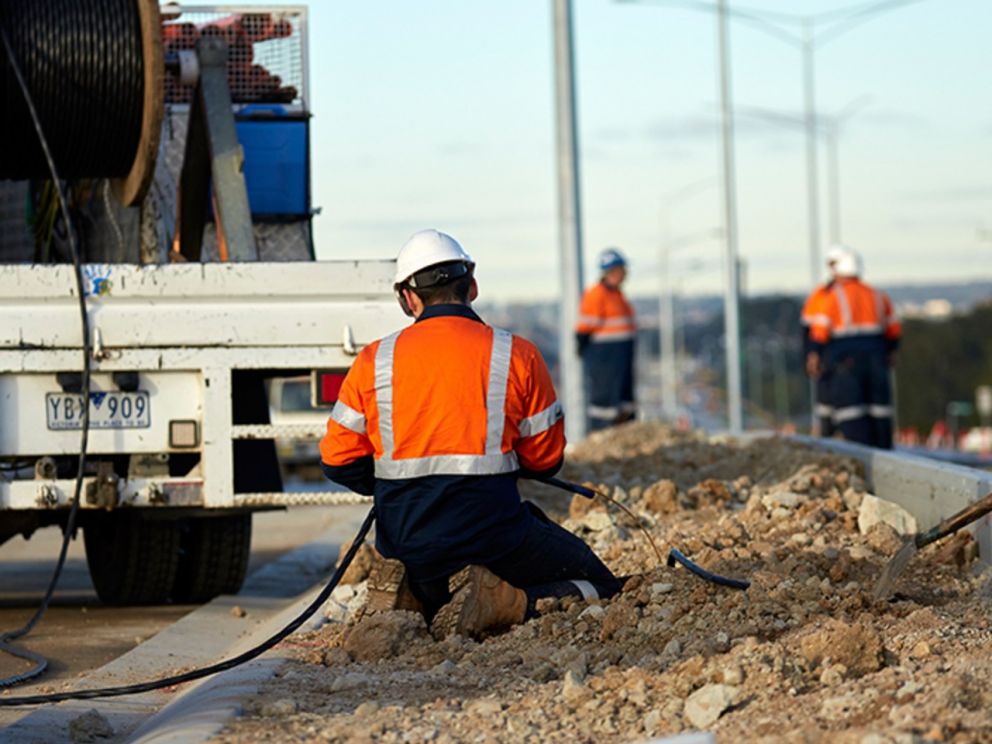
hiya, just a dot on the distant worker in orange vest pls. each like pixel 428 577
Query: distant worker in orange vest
pixel 605 337
pixel 854 339
pixel 437 422
pixel 813 310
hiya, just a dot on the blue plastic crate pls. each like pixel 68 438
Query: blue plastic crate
pixel 276 161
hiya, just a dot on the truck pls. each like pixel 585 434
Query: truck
pixel 183 352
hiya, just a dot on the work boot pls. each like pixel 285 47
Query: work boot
pixel 388 588
pixel 480 601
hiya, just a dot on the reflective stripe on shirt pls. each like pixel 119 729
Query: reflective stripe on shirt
pixel 348 417
pixel 492 462
pixel 541 422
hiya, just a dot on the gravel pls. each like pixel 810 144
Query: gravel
pixel 805 654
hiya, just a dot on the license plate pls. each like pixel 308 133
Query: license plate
pixel 113 409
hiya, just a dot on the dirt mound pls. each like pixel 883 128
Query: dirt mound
pixel 804 654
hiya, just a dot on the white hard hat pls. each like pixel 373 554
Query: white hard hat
pixel 425 249
pixel 836 252
pixel 848 264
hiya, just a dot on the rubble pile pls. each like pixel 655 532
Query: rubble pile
pixel 805 654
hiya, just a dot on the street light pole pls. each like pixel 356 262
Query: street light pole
pixel 812 188
pixel 569 222
pixel 731 320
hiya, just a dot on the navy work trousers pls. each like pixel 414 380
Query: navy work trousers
pixel 546 564
pixel 861 396
pixel 609 370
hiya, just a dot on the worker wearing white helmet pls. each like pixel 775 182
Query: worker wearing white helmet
pixel 812 311
pixel 855 335
pixel 437 422
pixel 605 337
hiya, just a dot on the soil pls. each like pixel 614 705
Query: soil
pixel 805 654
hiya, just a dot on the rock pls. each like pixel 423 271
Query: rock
pixel 661 497
pixel 618 617
pixel 838 708
pixel 360 565
pixel 282 707
pixel 921 650
pixel 349 681
pixel 580 506
pixel 882 538
pixel 573 691
pixel 781 499
pixel 732 675
pixel 672 648
pixel 651 721
pixel 592 612
pixel 238 611
pixel 368 708
pixel 857 647
pixel 445 667
pixel 485 708
pixel 707 704
pixel 833 675
pixel 874 510
pixel 384 635
pixel 597 521
pixel 801 539
pixel 90 726
pixel 661 588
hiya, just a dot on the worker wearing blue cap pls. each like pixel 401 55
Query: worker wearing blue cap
pixel 605 335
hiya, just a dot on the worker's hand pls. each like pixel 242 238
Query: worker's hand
pixel 581 342
pixel 813 364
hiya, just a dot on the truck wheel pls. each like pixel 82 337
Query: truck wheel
pixel 213 557
pixel 132 560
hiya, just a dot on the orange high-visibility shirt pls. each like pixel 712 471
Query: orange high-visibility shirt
pixel 605 315
pixel 447 396
pixel 854 308
pixel 815 305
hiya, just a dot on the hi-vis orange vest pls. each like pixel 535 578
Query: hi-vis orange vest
pixel 852 309
pixel 814 309
pixel 447 396
pixel 605 315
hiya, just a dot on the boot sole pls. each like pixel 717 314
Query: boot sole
pixel 388 590
pixel 448 618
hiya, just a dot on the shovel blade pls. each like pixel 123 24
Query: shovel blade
pixel 896 565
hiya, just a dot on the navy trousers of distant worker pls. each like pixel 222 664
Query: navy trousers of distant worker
pixel 609 378
pixel 860 393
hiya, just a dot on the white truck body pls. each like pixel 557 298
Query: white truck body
pixel 184 328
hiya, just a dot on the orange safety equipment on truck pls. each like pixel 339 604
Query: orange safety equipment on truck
pixel 605 315
pixel 447 396
pixel 852 309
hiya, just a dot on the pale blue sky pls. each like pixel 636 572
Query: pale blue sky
pixel 439 113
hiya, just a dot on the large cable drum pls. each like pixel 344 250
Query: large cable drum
pixel 94 69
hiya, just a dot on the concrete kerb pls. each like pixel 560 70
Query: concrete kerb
pixel 928 489
pixel 271 598
pixel 202 710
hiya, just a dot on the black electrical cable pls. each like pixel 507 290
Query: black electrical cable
pixel 83 62
pixel 213 668
pixel 677 556
pixel 39 132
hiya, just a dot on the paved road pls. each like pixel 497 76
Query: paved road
pixel 78 633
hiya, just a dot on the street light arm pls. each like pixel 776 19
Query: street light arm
pixel 751 17
pixel 857 17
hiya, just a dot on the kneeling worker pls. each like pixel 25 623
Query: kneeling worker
pixel 437 422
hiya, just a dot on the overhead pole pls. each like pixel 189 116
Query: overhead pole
pixel 731 307
pixel 569 222
pixel 812 175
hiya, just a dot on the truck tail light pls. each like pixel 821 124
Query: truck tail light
pixel 325 385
